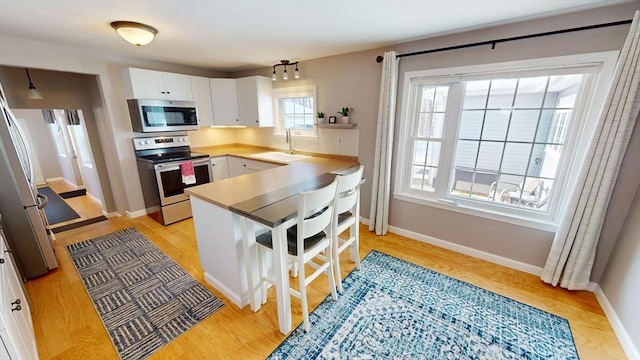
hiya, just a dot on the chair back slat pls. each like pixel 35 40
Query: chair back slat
pixel 315 209
pixel 348 190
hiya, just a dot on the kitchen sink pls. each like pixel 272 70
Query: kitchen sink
pixel 279 156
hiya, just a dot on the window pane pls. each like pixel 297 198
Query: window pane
pixel 431 125
pixel 501 93
pixel 515 158
pixel 489 156
pixel 420 152
pixel 423 178
pixel 495 125
pixel 523 125
pixel 471 124
pixel 466 152
pixel 531 92
pixel 475 96
pixel 298 112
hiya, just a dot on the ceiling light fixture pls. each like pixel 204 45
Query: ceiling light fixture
pixel 135 33
pixel 32 93
pixel 285 75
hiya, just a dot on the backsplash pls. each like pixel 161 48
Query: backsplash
pixel 328 141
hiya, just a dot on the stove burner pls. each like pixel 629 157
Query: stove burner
pixel 160 158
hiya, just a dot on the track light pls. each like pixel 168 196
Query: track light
pixel 32 93
pixel 285 74
pixel 135 33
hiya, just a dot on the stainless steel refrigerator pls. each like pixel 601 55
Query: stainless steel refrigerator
pixel 21 206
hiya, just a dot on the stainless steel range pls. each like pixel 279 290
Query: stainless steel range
pixel 161 164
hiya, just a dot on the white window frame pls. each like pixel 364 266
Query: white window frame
pixel 588 110
pixel 297 91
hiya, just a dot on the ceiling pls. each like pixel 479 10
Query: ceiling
pixel 233 35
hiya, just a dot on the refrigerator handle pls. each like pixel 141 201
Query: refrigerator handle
pixel 43 200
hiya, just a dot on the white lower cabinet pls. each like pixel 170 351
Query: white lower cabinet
pixel 16 327
pixel 241 166
pixel 220 168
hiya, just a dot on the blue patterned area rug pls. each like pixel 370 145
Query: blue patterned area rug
pixel 392 309
pixel 144 298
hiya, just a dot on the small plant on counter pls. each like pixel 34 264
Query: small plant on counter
pixel 345 111
pixel 320 115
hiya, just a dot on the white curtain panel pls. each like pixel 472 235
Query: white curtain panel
pixel 574 247
pixel 381 178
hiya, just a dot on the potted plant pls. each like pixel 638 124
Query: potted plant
pixel 320 116
pixel 345 111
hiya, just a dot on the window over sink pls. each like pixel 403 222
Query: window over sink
pixel 295 109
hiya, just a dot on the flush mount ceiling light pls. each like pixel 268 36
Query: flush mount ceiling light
pixel 32 93
pixel 134 33
pixel 285 75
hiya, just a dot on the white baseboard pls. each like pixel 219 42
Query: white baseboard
pixel 625 340
pixel 496 259
pixel 135 214
pixel 235 298
pixel 110 215
pixel 500 260
pixel 53 179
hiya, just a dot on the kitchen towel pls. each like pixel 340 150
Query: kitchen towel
pixel 188 173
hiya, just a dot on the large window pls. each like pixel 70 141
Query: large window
pixel 295 109
pixel 494 141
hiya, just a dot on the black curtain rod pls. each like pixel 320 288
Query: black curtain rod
pixel 496 41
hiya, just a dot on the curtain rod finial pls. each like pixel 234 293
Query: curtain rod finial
pixel 379 59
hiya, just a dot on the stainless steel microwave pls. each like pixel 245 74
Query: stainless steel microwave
pixel 162 115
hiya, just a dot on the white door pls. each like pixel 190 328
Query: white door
pixel 65 150
pixel 84 158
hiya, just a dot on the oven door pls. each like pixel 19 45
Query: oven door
pixel 169 178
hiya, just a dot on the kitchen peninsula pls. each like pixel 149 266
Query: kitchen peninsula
pixel 218 230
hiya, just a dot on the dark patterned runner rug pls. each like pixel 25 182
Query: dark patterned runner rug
pixel 392 309
pixel 144 298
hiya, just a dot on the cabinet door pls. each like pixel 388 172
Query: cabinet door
pixel 255 99
pixel 224 101
pixel 16 313
pixel 177 86
pixel 220 168
pixel 143 84
pixel 202 96
pixel 241 166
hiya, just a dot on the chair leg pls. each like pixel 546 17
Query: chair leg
pixel 355 245
pixel 335 254
pixel 330 274
pixel 303 298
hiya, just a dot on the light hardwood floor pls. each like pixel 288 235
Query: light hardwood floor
pixel 84 205
pixel 68 327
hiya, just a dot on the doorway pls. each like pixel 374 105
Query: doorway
pixel 64 166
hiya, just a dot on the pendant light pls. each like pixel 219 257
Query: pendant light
pixel 32 93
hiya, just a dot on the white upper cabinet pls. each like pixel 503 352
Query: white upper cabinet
pixel 255 107
pixel 224 101
pixel 202 97
pixel 156 85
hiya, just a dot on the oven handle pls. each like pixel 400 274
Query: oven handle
pixel 176 165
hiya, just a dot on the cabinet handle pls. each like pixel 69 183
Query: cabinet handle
pixel 17 302
pixel 1 261
pixel 17 308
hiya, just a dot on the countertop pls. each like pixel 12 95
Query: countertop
pixel 227 192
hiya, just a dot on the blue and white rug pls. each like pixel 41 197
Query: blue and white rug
pixel 144 298
pixel 392 309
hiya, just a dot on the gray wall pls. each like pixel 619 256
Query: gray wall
pixel 621 280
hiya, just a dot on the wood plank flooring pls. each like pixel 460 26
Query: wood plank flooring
pixel 67 326
pixel 84 205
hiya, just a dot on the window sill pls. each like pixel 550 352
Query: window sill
pixel 444 204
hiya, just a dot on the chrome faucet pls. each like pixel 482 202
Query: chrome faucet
pixel 289 140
